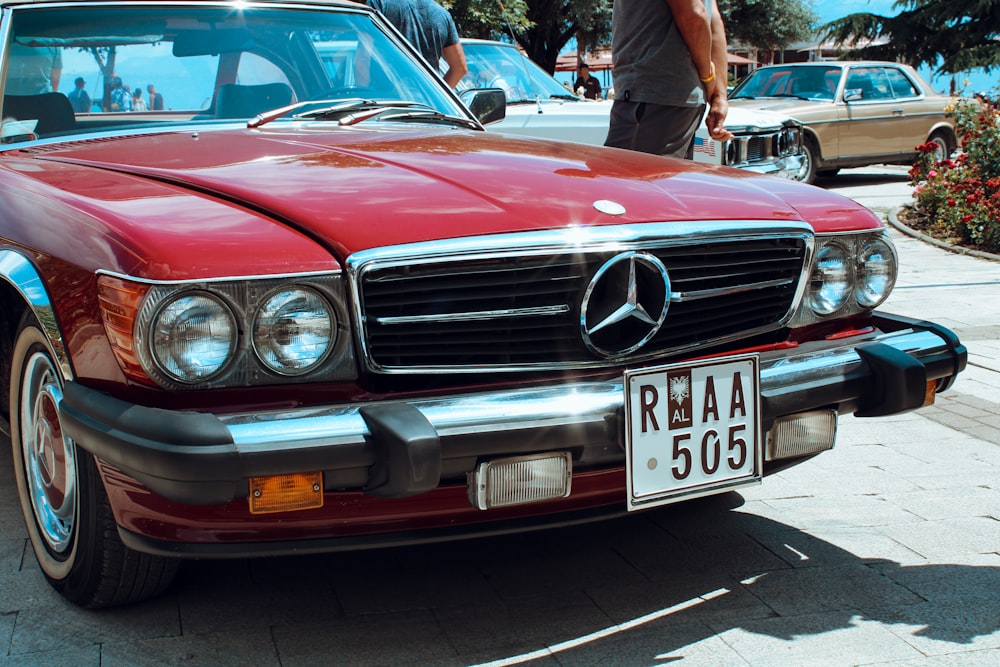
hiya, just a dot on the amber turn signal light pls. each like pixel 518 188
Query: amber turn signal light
pixel 286 493
pixel 929 392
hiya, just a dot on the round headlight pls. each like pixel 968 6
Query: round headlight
pixel 876 273
pixel 788 141
pixel 831 282
pixel 294 330
pixel 193 336
pixel 733 151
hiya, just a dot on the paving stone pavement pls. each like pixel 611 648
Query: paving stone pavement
pixel 884 551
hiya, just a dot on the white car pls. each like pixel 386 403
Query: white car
pixel 539 106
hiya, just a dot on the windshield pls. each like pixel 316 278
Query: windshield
pixel 804 81
pixel 70 70
pixel 502 66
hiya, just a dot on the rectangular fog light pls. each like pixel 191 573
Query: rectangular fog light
pixel 286 493
pixel 519 480
pixel 802 434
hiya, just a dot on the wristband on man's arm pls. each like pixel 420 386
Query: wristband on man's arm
pixel 711 76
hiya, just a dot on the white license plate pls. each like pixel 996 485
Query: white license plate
pixel 692 430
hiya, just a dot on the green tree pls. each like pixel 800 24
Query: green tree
pixel 544 27
pixel 541 27
pixel 769 25
pixel 489 19
pixel 952 35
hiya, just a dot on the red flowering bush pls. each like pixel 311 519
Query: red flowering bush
pixel 958 199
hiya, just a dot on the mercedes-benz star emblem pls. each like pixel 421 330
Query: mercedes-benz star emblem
pixel 625 304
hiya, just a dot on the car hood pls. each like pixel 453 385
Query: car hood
pixel 353 189
pixel 786 106
pixel 742 119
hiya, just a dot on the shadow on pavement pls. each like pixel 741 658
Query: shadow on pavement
pixel 858 179
pixel 630 591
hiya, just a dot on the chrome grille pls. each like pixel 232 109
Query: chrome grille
pixel 519 309
pixel 759 148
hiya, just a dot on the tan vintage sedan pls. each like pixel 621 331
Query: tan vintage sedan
pixel 853 113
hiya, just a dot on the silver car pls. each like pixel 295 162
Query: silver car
pixel 538 105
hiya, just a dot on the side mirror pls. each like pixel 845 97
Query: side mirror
pixel 853 95
pixel 488 105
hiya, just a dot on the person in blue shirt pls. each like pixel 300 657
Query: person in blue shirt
pixel 121 99
pixel 78 97
pixel 430 29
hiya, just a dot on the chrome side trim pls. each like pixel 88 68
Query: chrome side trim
pixel 570 239
pixel 680 297
pixel 476 315
pixel 21 274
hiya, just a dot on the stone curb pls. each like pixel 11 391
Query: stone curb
pixel 893 219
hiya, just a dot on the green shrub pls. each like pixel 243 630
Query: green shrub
pixel 958 198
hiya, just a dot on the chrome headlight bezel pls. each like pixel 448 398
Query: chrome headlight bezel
pixel 868 272
pixel 244 299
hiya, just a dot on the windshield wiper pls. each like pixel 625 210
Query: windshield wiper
pixel 326 107
pixel 419 114
pixel 350 111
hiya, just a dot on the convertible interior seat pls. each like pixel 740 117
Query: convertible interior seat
pixel 53 111
pixel 236 101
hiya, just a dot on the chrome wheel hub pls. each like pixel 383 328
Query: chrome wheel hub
pixel 49 456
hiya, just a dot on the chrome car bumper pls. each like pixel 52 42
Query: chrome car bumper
pixel 206 459
pixel 783 167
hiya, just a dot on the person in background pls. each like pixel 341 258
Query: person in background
pixel 138 103
pixel 78 97
pixel 155 99
pixel 121 99
pixel 669 61
pixel 430 29
pixel 33 70
pixel 588 82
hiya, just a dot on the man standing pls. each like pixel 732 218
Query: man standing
pixel 591 86
pixel 121 99
pixel 155 99
pixel 33 70
pixel 78 97
pixel 669 61
pixel 430 29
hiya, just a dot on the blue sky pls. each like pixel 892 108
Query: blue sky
pixel 828 11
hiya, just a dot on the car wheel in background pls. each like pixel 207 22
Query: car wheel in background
pixel 65 507
pixel 807 172
pixel 944 145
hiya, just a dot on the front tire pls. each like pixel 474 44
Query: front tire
pixel 65 507
pixel 810 153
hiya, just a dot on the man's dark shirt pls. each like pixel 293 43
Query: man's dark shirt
pixel 591 87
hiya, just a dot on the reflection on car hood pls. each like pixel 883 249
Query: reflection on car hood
pixel 742 117
pixel 786 106
pixel 358 189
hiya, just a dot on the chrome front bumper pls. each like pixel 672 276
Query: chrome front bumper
pixel 206 459
pixel 783 167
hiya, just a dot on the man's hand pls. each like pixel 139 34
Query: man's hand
pixel 715 119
